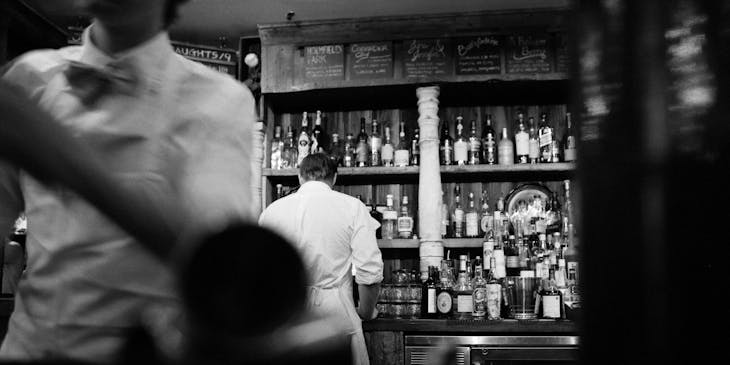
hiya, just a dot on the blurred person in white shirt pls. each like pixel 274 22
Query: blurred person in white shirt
pixel 171 128
pixel 335 234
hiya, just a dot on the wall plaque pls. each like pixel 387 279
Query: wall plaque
pixel 427 58
pixel 478 55
pixel 370 60
pixel 528 54
pixel 324 62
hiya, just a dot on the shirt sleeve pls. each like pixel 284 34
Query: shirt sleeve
pixel 366 257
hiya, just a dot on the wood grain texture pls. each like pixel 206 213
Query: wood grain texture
pixel 385 347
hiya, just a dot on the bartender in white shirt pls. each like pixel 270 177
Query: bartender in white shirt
pixel 333 232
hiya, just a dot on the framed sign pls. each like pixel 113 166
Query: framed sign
pixel 370 60
pixel 478 55
pixel 220 59
pixel 427 58
pixel 528 53
pixel 324 62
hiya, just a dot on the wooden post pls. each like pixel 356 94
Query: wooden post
pixel 429 178
pixel 257 163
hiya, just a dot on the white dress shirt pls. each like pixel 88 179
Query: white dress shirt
pixel 183 135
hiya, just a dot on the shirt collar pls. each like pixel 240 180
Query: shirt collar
pixel 313 186
pixel 149 57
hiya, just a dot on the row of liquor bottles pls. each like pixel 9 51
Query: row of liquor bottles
pixel 532 144
pixel 495 293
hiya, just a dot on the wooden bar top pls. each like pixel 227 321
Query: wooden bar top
pixel 470 326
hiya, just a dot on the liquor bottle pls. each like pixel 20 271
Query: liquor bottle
pixel 405 221
pixel 289 153
pixel 319 136
pixel 336 151
pixel 375 143
pixel 479 294
pixel 445 293
pixel 445 220
pixel 555 150
pixel 554 214
pixel 463 292
pixel 534 142
pixel 458 213
pixel 569 150
pixel 387 149
pixel 545 136
pixel 475 145
pixel 489 142
pixel 377 216
pixel 485 219
pixel 500 270
pixel 446 147
pixel 493 292
pixel 428 294
pixel 362 150
pixel 389 228
pixel 512 257
pixel 279 191
pixel 461 147
pixel 415 149
pixel 402 157
pixel 277 146
pixel 303 142
pixel 506 149
pixel 551 299
pixel 522 140
pixel 472 218
pixel 349 158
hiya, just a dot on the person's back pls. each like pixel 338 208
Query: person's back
pixel 333 232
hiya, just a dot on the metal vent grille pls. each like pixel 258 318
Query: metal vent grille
pixel 422 355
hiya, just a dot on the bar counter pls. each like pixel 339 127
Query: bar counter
pixel 470 326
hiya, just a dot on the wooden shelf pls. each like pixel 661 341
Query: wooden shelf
pixel 448 243
pixel 446 171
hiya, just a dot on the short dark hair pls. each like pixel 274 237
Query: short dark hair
pixel 171 11
pixel 317 167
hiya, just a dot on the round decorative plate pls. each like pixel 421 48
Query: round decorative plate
pixel 526 192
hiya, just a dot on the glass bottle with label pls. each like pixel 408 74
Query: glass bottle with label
pixel 348 157
pixel 522 140
pixel 376 142
pixel 463 292
pixel 405 221
pixel 446 148
pixel 277 146
pixel 506 149
pixel 320 140
pixel 415 149
pixel 402 155
pixel 279 191
pixel 445 293
pixel 489 142
pixel 428 294
pixel 458 213
pixel 362 151
pixel 479 294
pixel 534 142
pixel 389 228
pixel 569 150
pixel 461 147
pixel 545 136
pixel 387 150
pixel 551 299
pixel 475 145
pixel 485 219
pixel 335 149
pixel 289 151
pixel 303 142
pixel 512 256
pixel 472 218
pixel 493 292
pixel 445 220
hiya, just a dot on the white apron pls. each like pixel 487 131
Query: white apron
pixel 334 302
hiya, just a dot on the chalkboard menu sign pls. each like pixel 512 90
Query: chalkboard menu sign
pixel 219 59
pixel 370 60
pixel 478 55
pixel 528 54
pixel 427 58
pixel 324 62
pixel 562 57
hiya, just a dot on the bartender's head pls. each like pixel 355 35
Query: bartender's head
pixel 318 167
pixel 118 13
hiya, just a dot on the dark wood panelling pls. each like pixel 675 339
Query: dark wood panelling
pixel 385 347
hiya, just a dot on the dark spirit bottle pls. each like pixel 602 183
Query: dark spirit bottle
pixel 349 159
pixel 277 147
pixel 489 142
pixel 534 153
pixel 569 150
pixel 402 157
pixel 303 142
pixel 428 294
pixel 545 134
pixel 458 214
pixel 362 150
pixel 320 140
pixel 290 151
pixel 475 145
pixel 551 299
pixel 461 146
pixel 336 149
pixel 415 149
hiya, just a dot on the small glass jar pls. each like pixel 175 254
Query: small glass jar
pixel 398 309
pixel 413 310
pixel 398 293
